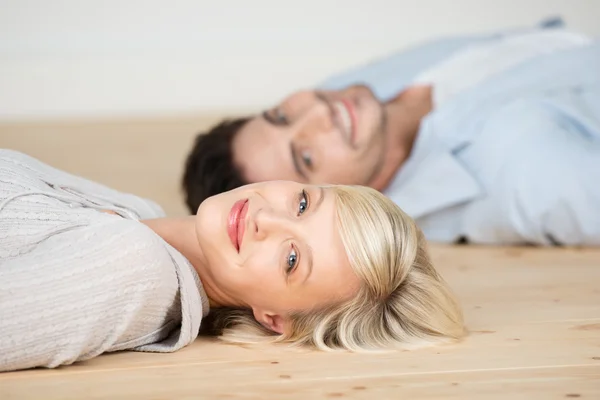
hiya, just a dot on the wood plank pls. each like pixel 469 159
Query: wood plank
pixel 511 346
pixel 526 384
pixel 491 331
pixel 520 284
pixel 534 313
pixel 184 382
pixel 144 157
pixel 540 346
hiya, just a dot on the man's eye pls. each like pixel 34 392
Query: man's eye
pixel 307 159
pixel 280 116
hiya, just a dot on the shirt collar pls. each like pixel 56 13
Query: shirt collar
pixel 432 178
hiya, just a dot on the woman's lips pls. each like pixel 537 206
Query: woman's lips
pixel 236 223
pixel 242 224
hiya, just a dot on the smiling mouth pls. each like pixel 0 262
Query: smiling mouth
pixel 346 113
pixel 236 223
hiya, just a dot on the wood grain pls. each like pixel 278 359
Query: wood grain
pixel 533 314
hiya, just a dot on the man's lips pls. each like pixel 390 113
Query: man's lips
pixel 353 117
pixel 345 113
pixel 236 223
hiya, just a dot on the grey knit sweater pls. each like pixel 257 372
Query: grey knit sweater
pixel 75 281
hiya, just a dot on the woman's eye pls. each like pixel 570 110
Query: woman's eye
pixel 292 261
pixel 303 203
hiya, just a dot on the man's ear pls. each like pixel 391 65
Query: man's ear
pixel 271 321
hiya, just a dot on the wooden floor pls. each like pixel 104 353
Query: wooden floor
pixel 533 314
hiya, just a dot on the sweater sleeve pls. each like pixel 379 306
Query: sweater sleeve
pixel 92 289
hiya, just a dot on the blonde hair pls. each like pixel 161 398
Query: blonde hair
pixel 402 303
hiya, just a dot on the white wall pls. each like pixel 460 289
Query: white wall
pixel 79 58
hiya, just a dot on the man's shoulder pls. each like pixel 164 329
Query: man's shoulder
pixel 391 73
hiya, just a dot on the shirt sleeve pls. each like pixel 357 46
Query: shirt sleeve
pixel 388 75
pixel 104 287
pixel 549 190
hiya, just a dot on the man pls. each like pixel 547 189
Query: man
pixel 491 139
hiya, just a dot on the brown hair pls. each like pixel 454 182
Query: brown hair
pixel 209 167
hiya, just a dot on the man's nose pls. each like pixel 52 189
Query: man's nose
pixel 316 120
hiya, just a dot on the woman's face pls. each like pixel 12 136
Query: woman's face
pixel 274 247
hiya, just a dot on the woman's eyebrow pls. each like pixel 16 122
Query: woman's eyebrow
pixel 309 251
pixel 319 200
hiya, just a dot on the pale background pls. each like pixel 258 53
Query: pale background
pixel 116 91
pixel 137 58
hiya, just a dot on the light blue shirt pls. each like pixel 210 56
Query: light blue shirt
pixel 513 159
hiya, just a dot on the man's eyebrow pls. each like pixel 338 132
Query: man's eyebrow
pixel 297 167
pixel 267 117
pixel 273 121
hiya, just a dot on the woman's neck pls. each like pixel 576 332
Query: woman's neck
pixel 180 233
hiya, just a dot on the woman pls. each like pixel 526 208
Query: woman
pixel 85 269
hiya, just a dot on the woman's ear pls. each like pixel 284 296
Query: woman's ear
pixel 271 321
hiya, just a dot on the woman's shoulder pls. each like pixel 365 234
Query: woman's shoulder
pixel 22 171
pixel 159 262
pixel 129 239
pixel 109 243
pixel 112 278
pixel 16 162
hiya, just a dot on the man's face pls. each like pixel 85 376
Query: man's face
pixel 315 137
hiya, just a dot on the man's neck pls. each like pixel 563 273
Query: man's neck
pixel 404 115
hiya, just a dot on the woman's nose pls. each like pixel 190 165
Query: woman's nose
pixel 268 222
